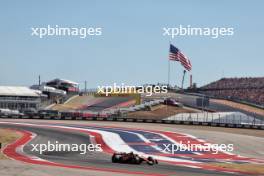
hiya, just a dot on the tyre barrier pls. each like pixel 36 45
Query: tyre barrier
pixel 142 120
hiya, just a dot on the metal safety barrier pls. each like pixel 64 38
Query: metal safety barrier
pixel 142 120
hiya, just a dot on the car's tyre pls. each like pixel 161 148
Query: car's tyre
pixel 137 160
pixel 151 161
pixel 115 159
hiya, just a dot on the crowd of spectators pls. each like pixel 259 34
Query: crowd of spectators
pixel 242 89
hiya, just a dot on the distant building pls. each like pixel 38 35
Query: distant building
pixel 50 91
pixel 19 98
pixel 63 84
pixel 57 90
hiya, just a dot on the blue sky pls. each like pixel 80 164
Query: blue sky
pixel 132 49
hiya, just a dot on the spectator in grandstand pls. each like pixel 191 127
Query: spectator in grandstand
pixel 242 89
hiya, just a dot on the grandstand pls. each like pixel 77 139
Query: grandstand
pixel 48 90
pixel 63 84
pixel 249 90
pixel 19 98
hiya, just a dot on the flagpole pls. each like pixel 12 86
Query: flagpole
pixel 169 67
pixel 168 73
pixel 168 78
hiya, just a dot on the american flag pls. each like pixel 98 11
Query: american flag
pixel 177 55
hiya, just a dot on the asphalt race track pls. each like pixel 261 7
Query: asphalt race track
pixel 111 138
pixel 108 103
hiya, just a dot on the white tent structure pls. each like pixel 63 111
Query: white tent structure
pixel 16 97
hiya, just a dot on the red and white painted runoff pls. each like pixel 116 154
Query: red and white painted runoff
pixel 143 142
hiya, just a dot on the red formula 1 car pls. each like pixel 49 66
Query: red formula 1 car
pixel 132 158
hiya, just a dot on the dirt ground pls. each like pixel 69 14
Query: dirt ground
pixel 245 167
pixel 160 112
pixel 6 137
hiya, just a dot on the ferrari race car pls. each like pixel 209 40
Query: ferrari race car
pixel 132 158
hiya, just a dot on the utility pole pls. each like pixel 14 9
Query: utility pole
pixel 39 80
pixel 85 86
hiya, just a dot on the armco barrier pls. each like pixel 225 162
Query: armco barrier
pixel 142 120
